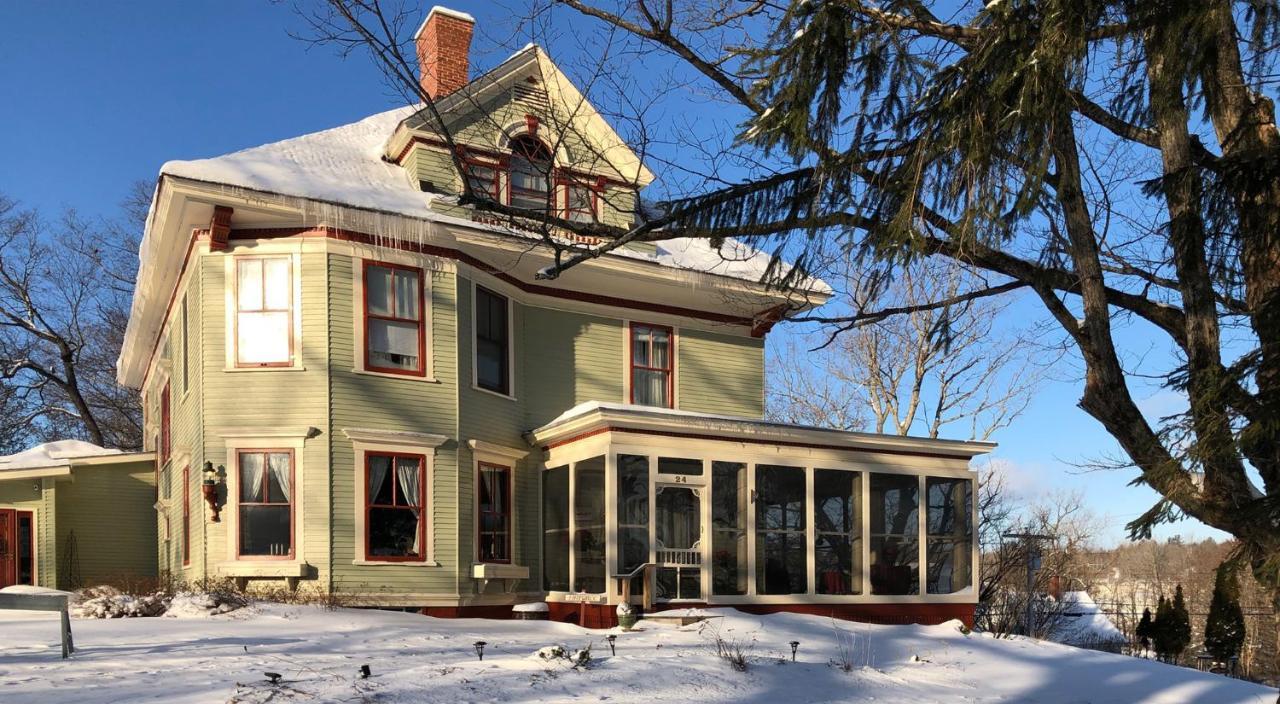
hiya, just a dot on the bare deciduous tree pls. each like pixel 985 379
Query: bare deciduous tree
pixel 913 373
pixel 65 288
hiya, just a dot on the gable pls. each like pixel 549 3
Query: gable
pixel 527 94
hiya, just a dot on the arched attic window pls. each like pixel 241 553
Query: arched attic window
pixel 530 169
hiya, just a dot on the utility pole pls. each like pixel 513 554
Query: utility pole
pixel 1031 543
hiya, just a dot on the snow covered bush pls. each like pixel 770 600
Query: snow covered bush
pixel 109 602
pixel 560 654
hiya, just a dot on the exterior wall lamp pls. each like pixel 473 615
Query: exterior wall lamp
pixel 209 488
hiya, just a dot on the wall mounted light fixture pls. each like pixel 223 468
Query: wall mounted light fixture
pixel 209 488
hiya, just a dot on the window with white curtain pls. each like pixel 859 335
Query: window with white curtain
pixel 393 322
pixel 264 311
pixel 395 490
pixel 651 365
pixel 266 503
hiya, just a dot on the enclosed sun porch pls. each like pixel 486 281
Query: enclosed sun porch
pixel 665 508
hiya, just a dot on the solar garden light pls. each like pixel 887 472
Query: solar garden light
pixel 611 638
pixel 209 489
pixel 479 646
pixel 795 645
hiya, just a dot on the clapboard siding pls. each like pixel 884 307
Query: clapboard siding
pixel 569 359
pixel 720 373
pixel 385 403
pixel 108 510
pixel 271 398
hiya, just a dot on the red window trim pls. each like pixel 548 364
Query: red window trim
pixel 421 371
pixel 505 513
pixel 564 182
pixel 552 172
pixel 235 332
pixel 293 475
pixel 166 445
pixel 497 166
pixel 422 506
pixel 670 369
pixel 156 448
pixel 186 516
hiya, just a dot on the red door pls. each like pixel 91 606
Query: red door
pixel 8 547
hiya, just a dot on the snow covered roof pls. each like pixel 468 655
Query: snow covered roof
pixel 62 455
pixel 574 421
pixel 345 165
pixel 52 454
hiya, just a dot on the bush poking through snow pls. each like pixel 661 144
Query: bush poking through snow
pixel 578 659
pixel 732 652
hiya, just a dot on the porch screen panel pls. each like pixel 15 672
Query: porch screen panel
pixel 949 523
pixel 589 537
pixel 781 566
pixel 895 534
pixel 837 515
pixel 633 512
pixel 555 529
pixel 728 528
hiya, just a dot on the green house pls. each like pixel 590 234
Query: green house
pixel 355 384
pixel 73 514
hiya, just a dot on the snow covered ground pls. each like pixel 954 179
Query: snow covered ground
pixel 418 659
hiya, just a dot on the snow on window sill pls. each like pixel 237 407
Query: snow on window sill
pixel 389 563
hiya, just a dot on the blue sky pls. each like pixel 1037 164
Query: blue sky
pixel 98 95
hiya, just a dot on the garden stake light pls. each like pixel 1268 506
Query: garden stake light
pixel 479 645
pixel 611 638
pixel 795 644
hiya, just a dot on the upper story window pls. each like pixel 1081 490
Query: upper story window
pixel 395 336
pixel 481 176
pixel 652 365
pixel 493 346
pixel 264 311
pixel 581 202
pixel 531 166
pixel 166 445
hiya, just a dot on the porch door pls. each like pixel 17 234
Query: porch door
pixel 678 545
pixel 8 547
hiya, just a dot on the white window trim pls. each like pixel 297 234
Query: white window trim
pixel 675 360
pixel 366 440
pixel 230 284
pixel 358 314
pixel 612 444
pixel 511 343
pixel 257 439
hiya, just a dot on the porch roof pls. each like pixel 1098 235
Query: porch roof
pixel 59 457
pixel 595 417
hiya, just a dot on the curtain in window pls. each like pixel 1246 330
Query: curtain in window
pixel 407 471
pixel 406 294
pixel 251 471
pixel 279 463
pixel 378 467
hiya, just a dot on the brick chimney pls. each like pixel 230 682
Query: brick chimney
pixel 444 42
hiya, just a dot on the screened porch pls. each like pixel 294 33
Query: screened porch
pixel 676 507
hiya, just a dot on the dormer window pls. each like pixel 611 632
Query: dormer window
pixel 530 185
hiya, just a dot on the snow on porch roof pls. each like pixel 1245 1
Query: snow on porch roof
pixel 63 454
pixel 594 415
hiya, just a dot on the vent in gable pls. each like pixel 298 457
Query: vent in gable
pixel 531 96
